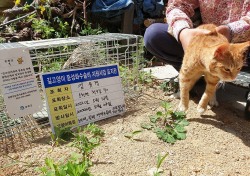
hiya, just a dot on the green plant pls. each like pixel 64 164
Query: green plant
pixel 52 63
pixel 78 164
pixel 42 27
pixel 132 134
pixel 15 161
pixel 168 125
pixel 54 66
pixel 26 7
pixel 126 74
pixel 6 121
pixel 129 75
pixel 62 29
pixel 73 167
pixel 139 62
pixel 88 139
pixel 160 160
pixel 170 86
pixel 145 78
pixel 2 40
pixel 61 135
pixel 88 30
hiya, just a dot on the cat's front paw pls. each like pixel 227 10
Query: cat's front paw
pixel 182 107
pixel 201 110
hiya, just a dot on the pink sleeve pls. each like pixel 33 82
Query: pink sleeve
pixel 178 15
pixel 240 30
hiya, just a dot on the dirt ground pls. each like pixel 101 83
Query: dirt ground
pixel 217 142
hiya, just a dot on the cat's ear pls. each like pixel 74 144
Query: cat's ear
pixel 221 50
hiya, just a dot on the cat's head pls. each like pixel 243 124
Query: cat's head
pixel 228 60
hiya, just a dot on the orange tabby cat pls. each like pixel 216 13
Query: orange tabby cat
pixel 214 57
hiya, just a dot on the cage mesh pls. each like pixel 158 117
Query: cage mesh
pixel 72 53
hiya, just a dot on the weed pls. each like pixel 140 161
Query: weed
pixel 43 27
pixel 15 162
pixel 78 164
pixel 146 78
pixel 141 77
pixel 62 29
pixel 2 40
pixel 132 134
pixel 54 66
pixel 170 86
pixel 74 167
pixel 87 140
pixel 88 30
pixel 160 160
pixel 26 7
pixel 168 125
pixel 61 135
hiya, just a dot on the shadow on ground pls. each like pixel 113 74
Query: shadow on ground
pixel 229 115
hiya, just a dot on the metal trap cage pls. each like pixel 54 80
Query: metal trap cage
pixel 72 53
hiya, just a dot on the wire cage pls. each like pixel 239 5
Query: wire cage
pixel 73 53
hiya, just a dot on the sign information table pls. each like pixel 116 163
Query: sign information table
pixel 78 97
pixel 18 83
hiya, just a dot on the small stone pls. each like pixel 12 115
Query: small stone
pixel 237 172
pixel 109 162
pixel 196 170
pixel 217 152
pixel 14 156
pixel 153 108
pixel 115 138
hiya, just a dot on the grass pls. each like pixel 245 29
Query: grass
pixel 168 125
pixel 85 140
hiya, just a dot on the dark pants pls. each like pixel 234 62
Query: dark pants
pixel 162 45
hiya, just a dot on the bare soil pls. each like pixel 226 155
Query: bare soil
pixel 217 142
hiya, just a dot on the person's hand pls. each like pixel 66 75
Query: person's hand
pixel 187 34
pixel 224 30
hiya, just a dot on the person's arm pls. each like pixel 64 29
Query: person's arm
pixel 224 30
pixel 178 14
pixel 240 30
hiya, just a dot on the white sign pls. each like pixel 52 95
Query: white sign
pixel 81 96
pixel 18 83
